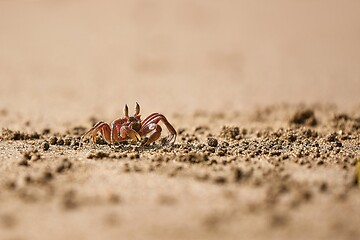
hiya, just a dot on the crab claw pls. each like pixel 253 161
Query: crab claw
pixel 134 136
pixel 125 131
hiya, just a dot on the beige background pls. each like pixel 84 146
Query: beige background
pixel 64 60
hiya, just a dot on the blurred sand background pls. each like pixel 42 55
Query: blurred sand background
pixel 66 60
pixel 63 62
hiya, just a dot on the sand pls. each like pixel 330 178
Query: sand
pixel 264 98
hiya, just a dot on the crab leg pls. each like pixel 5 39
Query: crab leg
pixel 155 135
pixel 85 135
pixel 148 118
pixel 148 126
pixel 101 127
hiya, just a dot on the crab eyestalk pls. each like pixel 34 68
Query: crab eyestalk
pixel 126 111
pixel 137 109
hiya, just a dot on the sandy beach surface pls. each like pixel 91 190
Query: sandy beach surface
pixel 264 97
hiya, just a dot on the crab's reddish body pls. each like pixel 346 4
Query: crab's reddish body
pixel 131 128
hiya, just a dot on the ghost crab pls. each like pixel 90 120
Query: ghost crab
pixel 131 128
